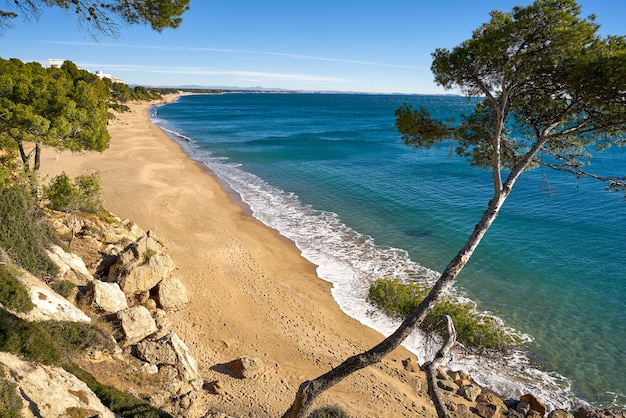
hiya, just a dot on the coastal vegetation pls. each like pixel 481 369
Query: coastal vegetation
pixel 65 108
pixel 474 331
pixel 553 92
pixel 24 235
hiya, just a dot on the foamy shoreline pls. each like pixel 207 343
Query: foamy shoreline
pixel 512 376
pixel 252 294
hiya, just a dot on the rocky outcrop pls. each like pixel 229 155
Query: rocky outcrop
pixel 48 305
pixel 587 412
pixel 128 281
pixel 170 353
pixel 171 294
pixel 536 404
pixel 50 391
pixel 470 392
pixel 69 262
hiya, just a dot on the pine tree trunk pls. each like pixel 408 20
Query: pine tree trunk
pixel 309 390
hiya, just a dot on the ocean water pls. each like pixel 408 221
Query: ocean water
pixel 330 172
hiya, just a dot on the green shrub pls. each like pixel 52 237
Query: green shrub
pixel 28 340
pixel 61 193
pixel 332 411
pixel 24 234
pixel 397 299
pixel 13 294
pixel 122 404
pixel 63 287
pixel 84 194
pixel 49 342
pixel 10 402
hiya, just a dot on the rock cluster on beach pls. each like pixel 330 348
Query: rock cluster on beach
pixel 486 404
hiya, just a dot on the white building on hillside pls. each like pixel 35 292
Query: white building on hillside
pixel 57 63
pixel 101 75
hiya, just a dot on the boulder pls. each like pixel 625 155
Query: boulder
pixel 470 392
pixel 447 384
pixel 536 404
pixel 523 408
pixel 171 293
pixel 487 410
pixel 172 355
pixel 68 261
pixel 51 391
pixel 560 413
pixel 146 276
pixel 245 367
pixel 49 305
pixel 107 297
pixel 157 352
pixel 512 413
pixel 146 246
pixel 136 323
pixel 187 367
pixel 492 398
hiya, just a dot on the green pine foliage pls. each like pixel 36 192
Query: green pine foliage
pixel 398 300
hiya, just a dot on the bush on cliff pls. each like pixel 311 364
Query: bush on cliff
pixel 13 295
pixel 397 300
pixel 83 194
pixel 23 232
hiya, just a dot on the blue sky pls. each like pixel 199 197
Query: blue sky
pixel 346 45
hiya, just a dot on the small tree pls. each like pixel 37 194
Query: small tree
pixel 82 195
pixel 553 91
pixel 60 107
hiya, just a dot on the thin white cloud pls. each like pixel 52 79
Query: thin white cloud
pixel 247 75
pixel 240 51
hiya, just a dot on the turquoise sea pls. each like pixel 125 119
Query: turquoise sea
pixel 330 172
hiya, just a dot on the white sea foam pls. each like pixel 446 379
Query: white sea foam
pixel 351 261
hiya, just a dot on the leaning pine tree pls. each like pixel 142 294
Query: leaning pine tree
pixel 554 91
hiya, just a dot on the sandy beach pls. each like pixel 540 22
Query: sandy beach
pixel 251 292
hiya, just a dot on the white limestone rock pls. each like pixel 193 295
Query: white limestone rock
pixel 137 324
pixel 107 297
pixel 49 305
pixel 50 391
